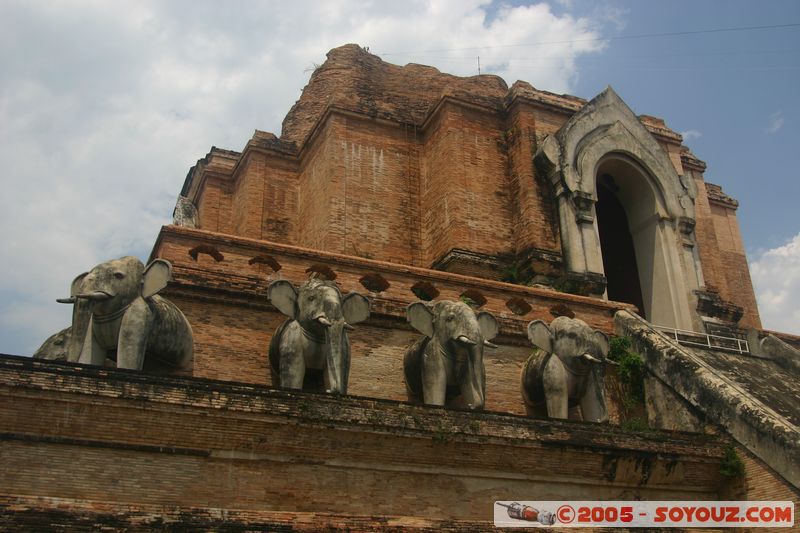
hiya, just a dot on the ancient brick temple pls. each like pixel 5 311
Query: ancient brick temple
pixel 407 184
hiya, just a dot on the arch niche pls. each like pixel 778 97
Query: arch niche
pixel 642 229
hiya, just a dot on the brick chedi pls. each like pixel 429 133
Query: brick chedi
pixel 403 184
pixel 415 167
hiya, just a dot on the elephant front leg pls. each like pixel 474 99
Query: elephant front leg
pixel 133 334
pixel 293 370
pixel 434 378
pixel 292 366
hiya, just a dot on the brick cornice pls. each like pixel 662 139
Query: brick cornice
pixel 373 265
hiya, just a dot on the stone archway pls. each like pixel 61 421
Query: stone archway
pixel 606 137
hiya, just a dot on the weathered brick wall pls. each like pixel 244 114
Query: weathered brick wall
pixel 380 190
pixel 214 205
pixel 280 200
pixel 35 515
pixel 437 184
pixel 247 196
pixel 734 264
pixel 321 192
pixel 209 186
pixel 465 179
pixel 707 244
pixel 121 437
pixel 531 195
pixel 762 483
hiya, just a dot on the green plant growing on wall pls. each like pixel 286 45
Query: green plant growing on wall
pixel 513 273
pixel 467 300
pixel 630 370
pixel 636 424
pixel 507 138
pixel 628 387
pixel 732 465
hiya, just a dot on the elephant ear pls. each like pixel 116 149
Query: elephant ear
pixel 488 325
pixel 283 296
pixel 420 317
pixel 355 308
pixel 155 277
pixel 75 288
pixel 540 335
pixel 601 339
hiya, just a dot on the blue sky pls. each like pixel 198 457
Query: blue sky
pixel 736 91
pixel 105 105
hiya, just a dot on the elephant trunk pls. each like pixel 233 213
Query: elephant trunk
pixel 467 348
pixel 337 357
pixel 474 393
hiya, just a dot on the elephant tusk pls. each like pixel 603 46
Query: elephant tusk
pixel 348 327
pixel 324 321
pixel 610 362
pixel 70 300
pixel 590 357
pixel 465 340
pixel 489 344
pixel 96 295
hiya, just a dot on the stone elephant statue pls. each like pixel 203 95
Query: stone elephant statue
pixel 118 315
pixel 567 370
pixel 450 355
pixel 315 336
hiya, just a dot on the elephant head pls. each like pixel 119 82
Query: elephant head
pixel 118 314
pixel 315 334
pixel 115 284
pixel 451 353
pixel 574 376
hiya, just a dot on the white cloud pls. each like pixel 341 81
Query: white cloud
pixel 775 122
pixel 104 107
pixel 776 279
pixel 688 135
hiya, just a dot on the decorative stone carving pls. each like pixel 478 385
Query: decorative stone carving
pixel 606 133
pixel 185 213
pixel 584 207
pixel 315 336
pixel 118 315
pixel 582 283
pixel 566 371
pixel 686 225
pixel 710 304
pixel 450 354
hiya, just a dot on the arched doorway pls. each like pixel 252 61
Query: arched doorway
pixel 616 243
pixel 636 248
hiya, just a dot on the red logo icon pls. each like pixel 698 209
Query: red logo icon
pixel 565 514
